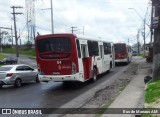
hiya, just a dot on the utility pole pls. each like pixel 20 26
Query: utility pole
pixel 15 28
pixel 73 29
pixel 52 26
pixel 156 44
pixel 0 37
pixel 151 24
pixel 144 36
pixel 0 41
pixel 12 35
pixel 144 28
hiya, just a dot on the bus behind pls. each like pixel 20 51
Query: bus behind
pixel 122 53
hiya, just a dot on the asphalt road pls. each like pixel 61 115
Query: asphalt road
pixel 49 95
pixel 46 95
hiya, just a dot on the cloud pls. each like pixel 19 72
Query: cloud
pixel 110 19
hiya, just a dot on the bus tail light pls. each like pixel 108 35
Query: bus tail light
pixel 73 68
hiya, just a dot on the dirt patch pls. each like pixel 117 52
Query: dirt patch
pixel 105 96
pixel 155 104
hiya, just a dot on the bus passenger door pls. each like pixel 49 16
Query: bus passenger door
pixel 80 62
pixel 87 62
pixel 100 61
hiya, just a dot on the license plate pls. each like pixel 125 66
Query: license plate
pixel 56 73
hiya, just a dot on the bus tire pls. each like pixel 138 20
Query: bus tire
pixel 1 85
pixel 94 75
pixel 127 61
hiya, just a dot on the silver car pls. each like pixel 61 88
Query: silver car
pixel 17 74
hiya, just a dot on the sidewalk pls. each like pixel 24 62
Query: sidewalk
pixel 133 95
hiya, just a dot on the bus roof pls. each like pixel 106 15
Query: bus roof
pixel 122 43
pixel 77 36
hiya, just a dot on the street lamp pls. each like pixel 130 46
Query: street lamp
pixel 144 21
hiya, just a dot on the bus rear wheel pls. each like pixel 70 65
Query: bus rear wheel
pixel 127 61
pixel 94 75
pixel 1 85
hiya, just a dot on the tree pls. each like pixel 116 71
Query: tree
pixel 3 35
pixel 28 45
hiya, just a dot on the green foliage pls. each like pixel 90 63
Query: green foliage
pixel 148 115
pixel 2 56
pixel 28 52
pixel 28 45
pixel 152 92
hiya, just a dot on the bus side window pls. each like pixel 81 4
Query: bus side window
pixel 105 48
pixel 84 51
pixel 109 48
pixel 78 48
pixel 90 48
pixel 95 49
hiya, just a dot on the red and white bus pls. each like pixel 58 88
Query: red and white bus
pixel 123 53
pixel 70 57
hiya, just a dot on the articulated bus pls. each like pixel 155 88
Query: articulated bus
pixel 123 53
pixel 70 57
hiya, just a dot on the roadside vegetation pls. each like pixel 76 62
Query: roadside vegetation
pixel 2 56
pixel 152 92
pixel 28 52
pixel 152 97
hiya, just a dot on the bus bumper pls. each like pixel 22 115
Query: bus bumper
pixel 120 60
pixel 60 78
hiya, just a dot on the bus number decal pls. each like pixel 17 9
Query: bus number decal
pixel 59 62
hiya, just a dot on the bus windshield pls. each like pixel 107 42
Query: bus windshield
pixel 54 47
pixel 120 47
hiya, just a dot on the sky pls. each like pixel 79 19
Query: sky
pixel 112 20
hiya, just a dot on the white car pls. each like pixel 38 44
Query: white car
pixel 17 74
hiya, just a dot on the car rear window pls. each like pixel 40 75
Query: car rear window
pixel 5 68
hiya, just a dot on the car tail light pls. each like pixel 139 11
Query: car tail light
pixel 38 67
pixel 9 74
pixel 73 68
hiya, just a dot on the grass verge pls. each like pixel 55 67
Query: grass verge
pixel 152 97
pixel 2 56
pixel 28 52
pixel 148 115
pixel 152 92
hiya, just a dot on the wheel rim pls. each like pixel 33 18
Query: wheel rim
pixel 94 75
pixel 18 83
